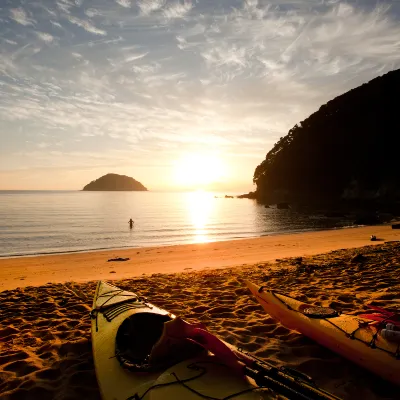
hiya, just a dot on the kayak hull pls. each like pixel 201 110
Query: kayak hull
pixel 350 336
pixel 205 374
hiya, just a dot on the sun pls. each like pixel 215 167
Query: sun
pixel 197 170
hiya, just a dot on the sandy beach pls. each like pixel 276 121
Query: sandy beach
pixel 45 301
pixel 82 267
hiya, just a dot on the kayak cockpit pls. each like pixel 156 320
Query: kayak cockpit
pixel 142 345
pixel 136 336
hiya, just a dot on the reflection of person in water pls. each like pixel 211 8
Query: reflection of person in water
pixel 131 223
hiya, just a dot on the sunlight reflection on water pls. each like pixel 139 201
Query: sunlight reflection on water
pixel 200 206
pixel 62 221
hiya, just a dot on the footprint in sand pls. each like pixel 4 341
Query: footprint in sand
pixel 14 356
pixel 21 367
pixel 50 373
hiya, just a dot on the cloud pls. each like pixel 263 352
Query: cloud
pixel 178 10
pixel 57 24
pixel 48 10
pixel 46 37
pixel 147 68
pixel 148 6
pixel 178 76
pixel 229 55
pixel 134 57
pixel 86 25
pixel 92 12
pixel 65 5
pixel 13 42
pixel 19 15
pixel 124 3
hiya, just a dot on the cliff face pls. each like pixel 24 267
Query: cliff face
pixel 115 182
pixel 348 149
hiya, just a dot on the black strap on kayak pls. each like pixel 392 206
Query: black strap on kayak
pixel 269 384
pixel 130 297
pixel 351 335
pixel 111 311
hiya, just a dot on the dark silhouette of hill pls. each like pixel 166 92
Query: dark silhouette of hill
pixel 115 182
pixel 349 150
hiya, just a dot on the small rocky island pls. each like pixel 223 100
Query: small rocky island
pixel 115 182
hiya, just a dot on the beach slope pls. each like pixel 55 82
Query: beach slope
pixel 45 330
pixel 82 267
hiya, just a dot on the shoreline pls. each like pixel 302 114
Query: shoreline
pixel 143 261
pixel 62 252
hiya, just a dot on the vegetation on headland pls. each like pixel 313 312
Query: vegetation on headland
pixel 345 154
pixel 115 182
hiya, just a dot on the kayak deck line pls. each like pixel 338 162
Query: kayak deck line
pixel 356 338
pixel 331 313
pixel 113 309
pixel 142 349
pixel 197 366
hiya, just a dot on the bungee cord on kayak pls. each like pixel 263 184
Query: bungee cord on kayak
pixel 331 313
pixel 143 347
pixel 359 338
pixel 196 366
pixel 113 310
pixel 274 385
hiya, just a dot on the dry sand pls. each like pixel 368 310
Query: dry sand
pixel 45 331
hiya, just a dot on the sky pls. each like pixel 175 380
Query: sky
pixel 176 94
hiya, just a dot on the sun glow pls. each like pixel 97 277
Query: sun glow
pixel 198 170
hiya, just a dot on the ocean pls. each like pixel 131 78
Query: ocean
pixel 45 222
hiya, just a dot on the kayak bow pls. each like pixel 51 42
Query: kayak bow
pixel 142 352
pixel 355 338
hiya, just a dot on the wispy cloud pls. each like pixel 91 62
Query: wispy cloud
pixel 148 6
pixel 19 15
pixel 86 25
pixel 124 3
pixel 46 37
pixel 229 55
pixel 178 9
pixel 135 57
pixel 105 79
pixel 13 42
pixel 57 24
pixel 65 5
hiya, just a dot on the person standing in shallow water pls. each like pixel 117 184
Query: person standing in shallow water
pixel 131 223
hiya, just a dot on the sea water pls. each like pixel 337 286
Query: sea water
pixel 40 222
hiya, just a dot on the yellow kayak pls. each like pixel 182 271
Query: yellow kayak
pixel 357 339
pixel 124 329
pixel 142 352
